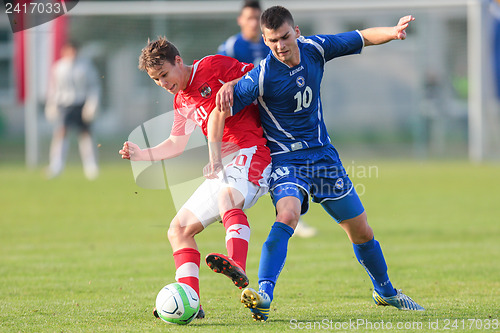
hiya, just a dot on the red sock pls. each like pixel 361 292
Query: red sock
pixel 187 265
pixel 237 236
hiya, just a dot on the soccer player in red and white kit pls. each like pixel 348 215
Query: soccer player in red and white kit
pixel 228 189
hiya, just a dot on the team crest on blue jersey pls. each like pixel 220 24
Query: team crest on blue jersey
pixel 339 184
pixel 205 90
pixel 300 81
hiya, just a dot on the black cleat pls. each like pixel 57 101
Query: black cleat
pixel 201 313
pixel 220 263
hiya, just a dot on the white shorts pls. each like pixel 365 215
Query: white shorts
pixel 249 162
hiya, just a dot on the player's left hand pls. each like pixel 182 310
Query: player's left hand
pixel 400 29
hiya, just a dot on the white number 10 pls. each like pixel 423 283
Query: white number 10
pixel 303 100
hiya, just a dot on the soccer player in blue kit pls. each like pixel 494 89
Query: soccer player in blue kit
pixel 286 86
pixel 248 45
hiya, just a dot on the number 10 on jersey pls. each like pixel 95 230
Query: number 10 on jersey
pixel 303 99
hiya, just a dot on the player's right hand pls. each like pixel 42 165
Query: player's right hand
pixel 131 151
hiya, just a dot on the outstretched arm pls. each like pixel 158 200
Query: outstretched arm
pixel 381 35
pixel 172 147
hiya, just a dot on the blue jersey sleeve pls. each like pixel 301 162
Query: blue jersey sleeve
pixel 246 90
pixel 227 48
pixel 341 44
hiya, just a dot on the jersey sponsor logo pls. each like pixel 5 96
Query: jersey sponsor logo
pixel 243 68
pixel 295 71
pixel 205 90
pixel 300 81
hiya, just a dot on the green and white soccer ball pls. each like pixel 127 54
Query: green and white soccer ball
pixel 177 303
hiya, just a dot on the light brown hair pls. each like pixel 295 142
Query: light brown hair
pixel 155 53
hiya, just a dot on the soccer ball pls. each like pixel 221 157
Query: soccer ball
pixel 177 303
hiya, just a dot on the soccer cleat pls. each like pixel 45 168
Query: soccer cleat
pixel 258 302
pixel 220 263
pixel 400 301
pixel 201 313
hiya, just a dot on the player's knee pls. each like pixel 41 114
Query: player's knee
pixel 176 231
pixel 173 231
pixel 288 210
pixel 363 236
pixel 181 230
pixel 357 229
pixel 365 232
pixel 288 217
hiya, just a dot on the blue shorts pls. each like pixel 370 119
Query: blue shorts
pixel 317 173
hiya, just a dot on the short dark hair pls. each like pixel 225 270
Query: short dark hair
pixel 251 4
pixel 274 17
pixel 156 53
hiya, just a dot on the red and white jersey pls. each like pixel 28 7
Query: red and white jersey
pixel 194 104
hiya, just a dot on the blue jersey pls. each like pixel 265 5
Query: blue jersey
pixel 243 50
pixel 289 97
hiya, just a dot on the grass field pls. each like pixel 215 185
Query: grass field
pixel 79 256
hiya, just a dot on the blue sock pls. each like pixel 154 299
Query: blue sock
pixel 273 256
pixel 370 256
